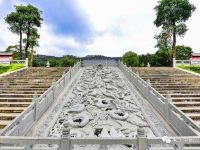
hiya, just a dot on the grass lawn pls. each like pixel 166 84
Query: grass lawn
pixel 191 68
pixel 8 68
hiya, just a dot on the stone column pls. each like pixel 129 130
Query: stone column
pixel 168 100
pixel 148 87
pixel 26 62
pixel 65 139
pixel 174 62
pixel 141 139
pixel 36 102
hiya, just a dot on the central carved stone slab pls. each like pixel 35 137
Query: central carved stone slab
pixel 101 105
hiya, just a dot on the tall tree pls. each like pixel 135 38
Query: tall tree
pixel 32 19
pixel 172 15
pixel 25 20
pixel 16 22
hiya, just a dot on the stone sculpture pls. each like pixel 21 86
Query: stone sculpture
pixel 100 105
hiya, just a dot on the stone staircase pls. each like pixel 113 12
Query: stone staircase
pixel 183 87
pixel 17 90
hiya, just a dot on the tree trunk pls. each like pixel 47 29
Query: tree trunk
pixel 31 57
pixel 27 41
pixel 174 40
pixel 20 43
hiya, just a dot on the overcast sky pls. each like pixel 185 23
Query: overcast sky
pixel 106 27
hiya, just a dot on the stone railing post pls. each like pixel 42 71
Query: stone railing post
pixel 141 139
pixel 174 62
pixel 168 100
pixel 70 71
pixel 148 87
pixel 54 89
pixel 63 76
pixel 65 139
pixel 190 61
pixel 36 103
pixel 26 62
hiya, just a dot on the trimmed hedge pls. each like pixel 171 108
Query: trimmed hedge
pixel 8 68
pixel 191 68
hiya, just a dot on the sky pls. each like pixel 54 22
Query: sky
pixel 96 27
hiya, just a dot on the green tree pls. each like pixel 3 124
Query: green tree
pixel 183 52
pixel 25 20
pixel 162 58
pixel 163 40
pixel 67 61
pixel 32 20
pixel 16 25
pixel 145 59
pixel 172 15
pixel 15 50
pixel 131 59
pixel 55 62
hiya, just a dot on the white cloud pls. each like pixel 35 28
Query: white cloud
pixel 192 36
pixel 128 25
pixel 6 38
pixel 57 45
pixel 1 2
pixel 121 25
pixel 50 43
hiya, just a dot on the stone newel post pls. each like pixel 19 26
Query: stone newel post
pixel 65 139
pixel 142 139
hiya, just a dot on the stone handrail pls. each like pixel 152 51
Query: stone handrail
pixel 187 62
pixel 179 121
pixel 22 124
pixel 25 62
pixel 141 142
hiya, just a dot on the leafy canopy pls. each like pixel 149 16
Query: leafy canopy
pixel 183 52
pixel 24 21
pixel 131 59
pixel 173 11
pixel 163 40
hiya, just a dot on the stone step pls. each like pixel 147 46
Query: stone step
pixel 179 91
pixel 4 123
pixel 190 109
pixel 14 104
pixel 12 109
pixel 183 95
pixel 15 99
pixel 25 86
pixel 23 89
pixel 21 92
pixel 186 104
pixel 28 78
pixel 24 81
pixel 186 99
pixel 175 86
pixel 18 95
pixel 170 85
pixel 161 88
pixel 8 116
pixel 194 116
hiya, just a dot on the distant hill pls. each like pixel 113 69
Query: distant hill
pixel 41 60
pixel 99 57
